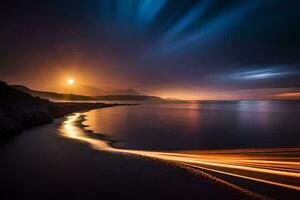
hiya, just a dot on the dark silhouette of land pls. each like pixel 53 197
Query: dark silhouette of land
pixel 53 95
pixel 131 96
pixel 91 90
pixel 20 110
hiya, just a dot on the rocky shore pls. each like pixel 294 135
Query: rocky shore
pixel 19 110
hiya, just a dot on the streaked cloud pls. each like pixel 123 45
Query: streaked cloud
pixel 155 45
pixel 259 74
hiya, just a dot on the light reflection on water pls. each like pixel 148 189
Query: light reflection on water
pixel 200 125
pixel 71 128
pixel 275 166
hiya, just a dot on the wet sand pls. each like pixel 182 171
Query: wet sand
pixel 273 172
pixel 65 160
pixel 42 164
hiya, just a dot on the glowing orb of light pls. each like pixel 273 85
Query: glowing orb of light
pixel 70 82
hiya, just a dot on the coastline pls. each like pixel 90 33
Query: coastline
pixel 109 147
pixel 231 173
pixel 17 117
pixel 54 167
pixel 59 167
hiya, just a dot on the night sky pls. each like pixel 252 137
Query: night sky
pixel 206 49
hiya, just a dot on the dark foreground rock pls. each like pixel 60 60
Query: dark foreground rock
pixel 19 110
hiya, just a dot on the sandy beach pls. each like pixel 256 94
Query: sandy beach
pixel 150 99
pixel 42 164
pixel 272 172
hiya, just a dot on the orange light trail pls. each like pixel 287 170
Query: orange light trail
pixel 275 166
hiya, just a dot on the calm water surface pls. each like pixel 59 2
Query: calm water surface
pixel 200 125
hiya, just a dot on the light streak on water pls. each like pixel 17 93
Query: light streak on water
pixel 275 166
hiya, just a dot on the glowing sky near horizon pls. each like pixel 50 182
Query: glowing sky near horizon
pixel 190 49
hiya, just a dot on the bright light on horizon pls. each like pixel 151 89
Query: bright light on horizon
pixel 70 82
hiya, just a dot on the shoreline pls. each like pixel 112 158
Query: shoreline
pixel 75 170
pixel 232 159
pixel 60 168
pixel 21 116
pixel 78 122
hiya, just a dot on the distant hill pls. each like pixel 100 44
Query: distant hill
pixel 89 90
pixel 20 110
pixel 53 95
pixel 129 98
pixel 11 94
pixel 74 97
